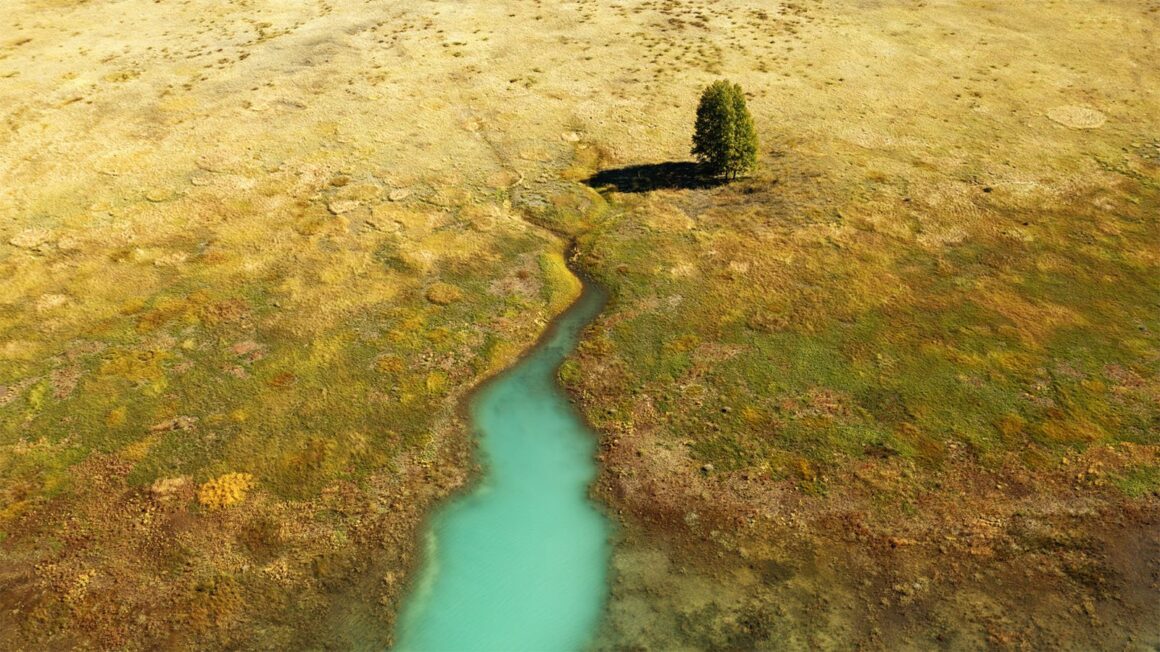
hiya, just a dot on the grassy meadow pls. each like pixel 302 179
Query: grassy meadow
pixel 897 388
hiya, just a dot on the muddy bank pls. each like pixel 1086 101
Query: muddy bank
pixel 1067 566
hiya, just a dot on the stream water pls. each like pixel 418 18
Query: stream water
pixel 519 564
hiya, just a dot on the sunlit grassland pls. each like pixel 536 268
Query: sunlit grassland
pixel 260 371
pixel 287 354
pixel 772 336
pixel 253 256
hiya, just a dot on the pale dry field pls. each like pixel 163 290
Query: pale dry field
pixel 284 239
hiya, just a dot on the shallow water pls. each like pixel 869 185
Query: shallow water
pixel 519 563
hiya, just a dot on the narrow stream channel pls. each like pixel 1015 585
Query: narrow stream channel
pixel 520 563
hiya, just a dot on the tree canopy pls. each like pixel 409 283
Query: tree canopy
pixel 724 138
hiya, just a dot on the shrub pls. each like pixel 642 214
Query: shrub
pixel 225 490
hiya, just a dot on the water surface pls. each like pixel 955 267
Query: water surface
pixel 520 562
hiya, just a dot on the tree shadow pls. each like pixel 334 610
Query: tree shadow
pixel 671 175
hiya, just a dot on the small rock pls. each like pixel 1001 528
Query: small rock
pixel 158 195
pixel 173 259
pixel 399 194
pixel 340 206
pixel 166 488
pixel 177 423
pixel 31 238
pixel 1077 117
pixel 706 468
pixel 50 301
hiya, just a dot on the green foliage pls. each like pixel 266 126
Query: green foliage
pixel 713 128
pixel 1140 481
pixel 833 367
pixel 724 138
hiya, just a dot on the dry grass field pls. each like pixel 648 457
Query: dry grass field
pixel 898 389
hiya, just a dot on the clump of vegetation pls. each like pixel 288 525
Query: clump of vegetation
pixel 724 138
pixel 225 490
pixel 164 489
pixel 444 294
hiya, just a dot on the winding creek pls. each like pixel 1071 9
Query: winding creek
pixel 519 563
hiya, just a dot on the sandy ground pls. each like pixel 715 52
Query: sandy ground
pixel 225 211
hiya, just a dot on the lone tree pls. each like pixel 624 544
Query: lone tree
pixel 724 140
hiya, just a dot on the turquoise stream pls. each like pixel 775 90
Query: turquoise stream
pixel 519 564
